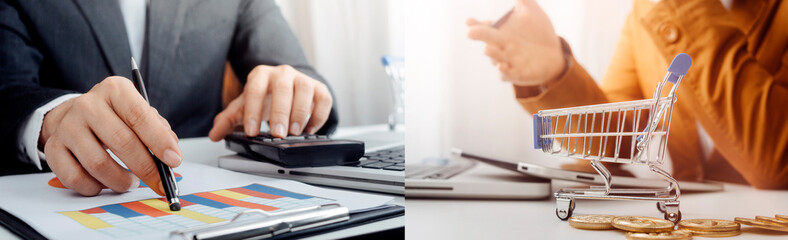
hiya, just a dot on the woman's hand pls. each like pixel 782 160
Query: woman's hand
pixel 525 47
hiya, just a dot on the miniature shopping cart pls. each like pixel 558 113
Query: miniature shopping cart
pixel 395 69
pixel 633 132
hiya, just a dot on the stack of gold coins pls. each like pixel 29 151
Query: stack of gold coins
pixel 672 235
pixel 780 221
pixel 710 227
pixel 643 228
pixel 592 222
pixel 642 224
pixel 777 223
pixel 638 228
pixel 649 228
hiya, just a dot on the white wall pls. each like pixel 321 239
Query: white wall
pixel 344 40
pixel 455 96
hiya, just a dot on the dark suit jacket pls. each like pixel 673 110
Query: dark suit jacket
pixel 52 47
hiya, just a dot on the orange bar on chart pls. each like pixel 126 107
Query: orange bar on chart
pixel 93 210
pixel 233 202
pixel 144 209
pixel 163 206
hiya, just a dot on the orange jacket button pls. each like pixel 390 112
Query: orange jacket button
pixel 668 32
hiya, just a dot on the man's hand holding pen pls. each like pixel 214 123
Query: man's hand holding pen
pixel 114 116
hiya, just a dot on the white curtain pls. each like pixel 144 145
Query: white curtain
pixel 344 40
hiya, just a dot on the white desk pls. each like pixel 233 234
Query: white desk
pixel 202 150
pixel 500 219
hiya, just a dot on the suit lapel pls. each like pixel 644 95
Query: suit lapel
pixel 106 22
pixel 165 23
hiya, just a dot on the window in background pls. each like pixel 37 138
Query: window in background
pixel 344 40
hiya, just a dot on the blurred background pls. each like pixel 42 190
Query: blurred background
pixel 344 40
pixel 455 96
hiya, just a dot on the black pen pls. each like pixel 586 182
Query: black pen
pixel 165 172
pixel 503 19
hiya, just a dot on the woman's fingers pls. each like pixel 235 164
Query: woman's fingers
pixel 495 53
pixel 487 34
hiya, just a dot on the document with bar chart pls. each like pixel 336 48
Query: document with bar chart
pixel 208 195
pixel 133 218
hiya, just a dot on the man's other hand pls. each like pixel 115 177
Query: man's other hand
pixel 289 100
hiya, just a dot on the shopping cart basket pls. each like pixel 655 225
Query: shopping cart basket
pixel 395 69
pixel 633 132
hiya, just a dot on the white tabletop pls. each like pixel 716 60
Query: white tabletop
pixel 202 150
pixel 536 219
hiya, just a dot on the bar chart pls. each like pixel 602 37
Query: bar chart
pixel 133 218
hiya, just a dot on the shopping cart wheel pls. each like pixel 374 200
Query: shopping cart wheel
pixel 672 212
pixel 673 217
pixel 565 207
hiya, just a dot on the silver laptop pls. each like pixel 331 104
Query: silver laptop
pixel 464 179
pixel 382 169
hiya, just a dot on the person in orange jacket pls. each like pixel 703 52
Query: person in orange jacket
pixel 731 121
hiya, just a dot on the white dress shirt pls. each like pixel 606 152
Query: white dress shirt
pixel 134 14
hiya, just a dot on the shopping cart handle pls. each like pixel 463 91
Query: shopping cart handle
pixel 537 131
pixel 679 67
pixel 388 60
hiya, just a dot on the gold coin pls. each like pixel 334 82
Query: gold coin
pixel 782 217
pixel 762 224
pixel 715 234
pixel 592 222
pixel 709 225
pixel 642 224
pixel 672 235
pixel 773 220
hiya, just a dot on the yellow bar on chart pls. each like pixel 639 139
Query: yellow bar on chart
pixel 87 220
pixel 155 203
pixel 231 194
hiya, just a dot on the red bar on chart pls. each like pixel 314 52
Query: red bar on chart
pixel 254 193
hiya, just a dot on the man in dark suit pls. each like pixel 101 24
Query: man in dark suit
pixel 65 94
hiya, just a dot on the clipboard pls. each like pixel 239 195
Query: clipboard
pixel 336 218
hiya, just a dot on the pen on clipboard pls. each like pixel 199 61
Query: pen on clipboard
pixel 266 225
pixel 165 172
pixel 503 19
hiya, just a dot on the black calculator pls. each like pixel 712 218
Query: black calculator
pixel 296 151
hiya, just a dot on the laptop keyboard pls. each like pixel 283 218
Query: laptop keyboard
pixel 443 170
pixel 392 159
